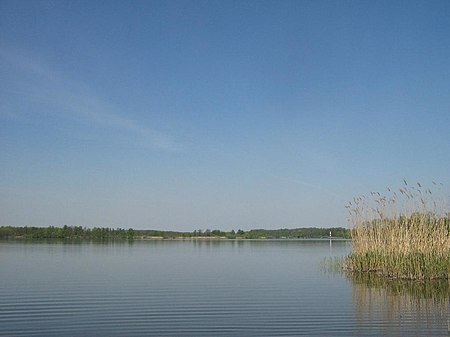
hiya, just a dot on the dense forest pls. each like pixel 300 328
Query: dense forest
pixel 96 233
pixel 66 232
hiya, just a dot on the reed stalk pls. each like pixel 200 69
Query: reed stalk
pixel 405 235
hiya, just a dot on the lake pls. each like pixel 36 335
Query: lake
pixel 205 288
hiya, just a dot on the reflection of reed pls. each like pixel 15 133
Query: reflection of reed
pixel 414 308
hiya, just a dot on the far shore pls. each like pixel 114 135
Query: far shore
pixel 102 233
pixel 208 238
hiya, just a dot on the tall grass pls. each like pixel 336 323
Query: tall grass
pixel 404 235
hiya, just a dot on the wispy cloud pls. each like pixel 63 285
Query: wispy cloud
pixel 32 81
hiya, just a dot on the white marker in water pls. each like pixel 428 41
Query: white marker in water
pixel 330 241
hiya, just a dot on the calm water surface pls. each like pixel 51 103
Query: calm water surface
pixel 202 288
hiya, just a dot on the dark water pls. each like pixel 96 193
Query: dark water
pixel 204 288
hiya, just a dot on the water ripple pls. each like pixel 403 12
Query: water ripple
pixel 184 290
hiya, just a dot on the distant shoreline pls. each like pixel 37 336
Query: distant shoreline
pixel 101 233
pixel 241 239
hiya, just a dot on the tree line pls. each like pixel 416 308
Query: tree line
pixel 296 233
pixel 65 232
pixel 79 232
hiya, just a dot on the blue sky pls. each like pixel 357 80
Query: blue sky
pixel 217 114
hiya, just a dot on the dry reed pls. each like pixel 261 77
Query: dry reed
pixel 405 235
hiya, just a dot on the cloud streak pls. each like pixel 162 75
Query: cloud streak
pixel 30 81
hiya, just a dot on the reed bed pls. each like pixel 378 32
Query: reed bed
pixel 405 235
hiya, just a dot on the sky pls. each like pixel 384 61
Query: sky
pixel 184 115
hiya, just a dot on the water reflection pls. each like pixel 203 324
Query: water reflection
pixel 418 307
pixel 387 307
